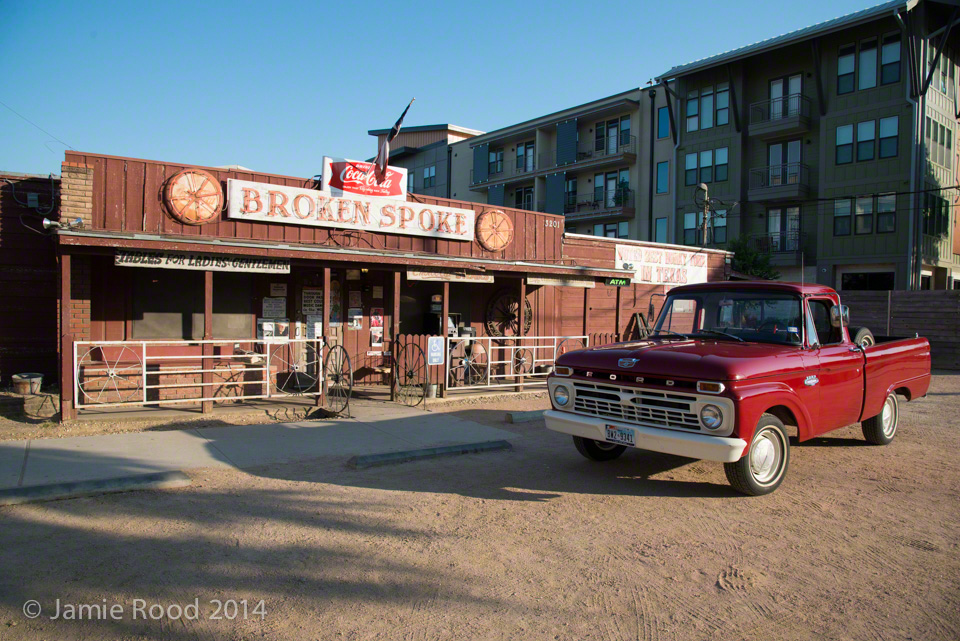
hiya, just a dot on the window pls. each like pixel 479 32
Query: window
pixel 720 166
pixel 570 194
pixel 691 228
pixel 886 213
pixel 866 140
pixel 723 104
pixel 232 305
pixel 690 177
pixel 719 220
pixel 429 176
pixel 693 111
pixel 706 166
pixel 411 180
pixel 523 198
pixel 525 157
pixel 888 137
pixel 610 230
pixel 496 161
pixel 663 177
pixel 706 108
pixel 868 65
pixel 168 304
pixel 623 229
pixel 625 130
pixel 890 59
pixel 844 144
pixel 867 281
pixel 936 215
pixel 846 66
pixel 842 208
pixel 826 332
pixel 663 122
pixel 948 153
pixel 863 218
pixel 660 230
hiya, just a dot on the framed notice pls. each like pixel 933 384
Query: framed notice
pixel 314 327
pixel 312 301
pixel 278 289
pixel 377 292
pixel 354 318
pixel 356 298
pixel 274 306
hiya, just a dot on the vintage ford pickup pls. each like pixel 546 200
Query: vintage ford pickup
pixel 729 371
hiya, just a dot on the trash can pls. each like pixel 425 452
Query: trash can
pixel 25 384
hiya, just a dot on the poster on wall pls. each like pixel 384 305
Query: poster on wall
pixel 278 289
pixel 376 317
pixel 274 307
pixel 273 329
pixel 655 266
pixel 336 304
pixel 312 301
pixel 314 327
pixel 356 298
pixel 354 318
pixel 377 292
pixel 376 337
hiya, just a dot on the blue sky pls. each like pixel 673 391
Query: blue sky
pixel 276 86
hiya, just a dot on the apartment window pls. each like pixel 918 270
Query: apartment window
pixel 863 215
pixel 496 161
pixel 889 140
pixel 719 219
pixel 691 228
pixel 429 176
pixel 663 177
pixel 610 230
pixel 663 122
pixel 842 209
pixel 525 157
pixel 948 160
pixel 720 166
pixel 523 198
pixel 411 180
pixel 625 130
pixel 886 213
pixel 890 59
pixel 690 167
pixel 866 140
pixel 693 111
pixel 723 104
pixel 868 65
pixel 660 230
pixel 844 144
pixel 706 108
pixel 570 194
pixel 623 229
pixel 846 68
pixel 706 166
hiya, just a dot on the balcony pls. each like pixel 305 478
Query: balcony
pixel 789 181
pixel 780 116
pixel 785 248
pixel 935 248
pixel 602 203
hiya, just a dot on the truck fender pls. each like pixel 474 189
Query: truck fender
pixel 757 399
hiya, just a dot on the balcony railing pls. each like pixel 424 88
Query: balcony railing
pixel 784 242
pixel 791 173
pixel 598 202
pixel 936 247
pixel 509 168
pixel 779 109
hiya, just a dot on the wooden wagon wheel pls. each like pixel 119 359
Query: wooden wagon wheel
pixel 413 375
pixel 503 315
pixel 338 374
pixel 494 230
pixel 193 197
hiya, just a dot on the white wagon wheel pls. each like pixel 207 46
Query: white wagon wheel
pixel 568 345
pixel 103 377
pixel 298 368
pixel 468 363
pixel 522 361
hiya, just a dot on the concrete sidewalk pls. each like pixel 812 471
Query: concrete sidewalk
pixel 374 428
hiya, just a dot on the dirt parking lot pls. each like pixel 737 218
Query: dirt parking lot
pixel 860 542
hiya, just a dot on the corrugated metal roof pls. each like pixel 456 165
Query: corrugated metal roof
pixel 442 127
pixel 785 39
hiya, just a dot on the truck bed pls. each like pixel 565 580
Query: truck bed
pixel 894 364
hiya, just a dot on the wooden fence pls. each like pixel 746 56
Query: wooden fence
pixel 934 315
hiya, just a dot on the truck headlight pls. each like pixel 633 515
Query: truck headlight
pixel 711 417
pixel 561 395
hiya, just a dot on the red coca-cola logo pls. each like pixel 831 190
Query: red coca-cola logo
pixel 360 178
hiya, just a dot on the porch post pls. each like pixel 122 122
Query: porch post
pixel 395 334
pixel 444 313
pixel 522 311
pixel 206 389
pixel 586 309
pixel 67 410
pixel 324 334
pixel 616 327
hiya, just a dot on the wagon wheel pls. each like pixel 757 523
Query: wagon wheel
pixel 503 315
pixel 494 230
pixel 193 197
pixel 468 364
pixel 568 345
pixel 413 375
pixel 522 361
pixel 107 378
pixel 298 368
pixel 338 375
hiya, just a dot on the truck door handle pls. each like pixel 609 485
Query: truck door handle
pixel 855 348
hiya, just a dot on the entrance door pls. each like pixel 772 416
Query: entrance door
pixel 784 161
pixel 791 235
pixel 776 99
pixel 611 190
pixel 773 228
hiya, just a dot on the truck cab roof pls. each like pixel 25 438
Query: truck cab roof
pixel 807 289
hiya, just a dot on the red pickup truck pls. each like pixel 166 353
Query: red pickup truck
pixel 728 372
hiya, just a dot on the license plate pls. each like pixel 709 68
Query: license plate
pixel 620 435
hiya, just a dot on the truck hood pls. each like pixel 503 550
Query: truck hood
pixel 702 359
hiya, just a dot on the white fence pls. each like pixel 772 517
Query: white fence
pixel 495 362
pixel 160 372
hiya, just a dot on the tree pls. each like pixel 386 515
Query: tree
pixel 748 260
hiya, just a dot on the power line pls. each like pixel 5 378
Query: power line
pixel 35 124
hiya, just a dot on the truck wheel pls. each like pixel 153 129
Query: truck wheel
pixel 862 336
pixel 598 450
pixel 762 469
pixel 881 429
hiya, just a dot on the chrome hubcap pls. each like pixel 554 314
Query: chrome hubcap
pixel 888 419
pixel 765 457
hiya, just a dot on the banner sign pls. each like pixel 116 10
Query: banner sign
pixel 656 266
pixel 200 261
pixel 342 177
pixel 440 276
pixel 267 203
pixel 563 281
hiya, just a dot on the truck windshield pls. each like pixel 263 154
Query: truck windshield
pixel 763 317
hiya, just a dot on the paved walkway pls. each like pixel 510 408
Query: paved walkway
pixel 374 428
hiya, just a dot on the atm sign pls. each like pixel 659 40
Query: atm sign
pixel 617 282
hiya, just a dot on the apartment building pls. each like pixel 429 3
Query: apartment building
pixel 829 147
pixel 596 163
pixel 424 152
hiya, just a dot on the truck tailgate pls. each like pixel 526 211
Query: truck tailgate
pixel 902 363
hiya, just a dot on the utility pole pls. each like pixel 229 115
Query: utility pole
pixel 706 215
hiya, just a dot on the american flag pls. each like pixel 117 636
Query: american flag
pixel 383 156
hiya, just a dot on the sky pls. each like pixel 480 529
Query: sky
pixel 275 86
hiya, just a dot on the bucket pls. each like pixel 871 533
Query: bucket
pixel 25 384
pixel 432 390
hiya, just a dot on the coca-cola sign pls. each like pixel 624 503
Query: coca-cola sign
pixel 343 177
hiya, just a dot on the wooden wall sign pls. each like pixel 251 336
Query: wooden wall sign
pixel 494 230
pixel 193 197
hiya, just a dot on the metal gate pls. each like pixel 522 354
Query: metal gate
pixel 492 362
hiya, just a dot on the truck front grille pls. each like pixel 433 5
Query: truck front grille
pixel 651 408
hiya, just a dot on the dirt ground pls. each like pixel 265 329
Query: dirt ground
pixel 860 542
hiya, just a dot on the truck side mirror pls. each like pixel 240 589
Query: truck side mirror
pixel 840 316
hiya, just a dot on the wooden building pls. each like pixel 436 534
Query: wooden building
pixel 209 259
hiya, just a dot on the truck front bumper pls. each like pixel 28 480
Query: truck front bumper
pixel 701 446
